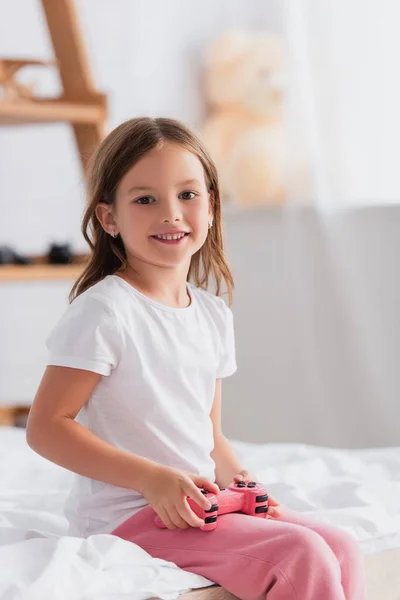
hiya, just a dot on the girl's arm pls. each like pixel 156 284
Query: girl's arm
pixel 53 433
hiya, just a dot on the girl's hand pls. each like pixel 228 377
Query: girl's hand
pixel 166 489
pixel 274 509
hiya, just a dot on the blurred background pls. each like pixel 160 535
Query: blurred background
pixel 297 101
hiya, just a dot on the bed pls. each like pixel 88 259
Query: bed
pixel 358 490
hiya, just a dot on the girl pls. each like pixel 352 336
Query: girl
pixel 131 397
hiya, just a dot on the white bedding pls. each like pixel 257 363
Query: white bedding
pixel 358 490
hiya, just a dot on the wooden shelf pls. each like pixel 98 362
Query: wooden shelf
pixel 50 111
pixel 79 104
pixel 12 416
pixel 39 272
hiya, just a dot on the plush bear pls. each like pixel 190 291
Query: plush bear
pixel 244 131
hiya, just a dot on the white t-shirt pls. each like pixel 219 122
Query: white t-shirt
pixel 159 367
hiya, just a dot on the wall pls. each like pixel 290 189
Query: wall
pixel 316 305
pixel 317 328
pixel 145 55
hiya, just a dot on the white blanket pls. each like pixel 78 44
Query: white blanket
pixel 358 490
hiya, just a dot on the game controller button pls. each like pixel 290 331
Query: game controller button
pixel 261 509
pixel 205 492
pixel 221 489
pixel 251 484
pixel 241 484
pixel 262 498
pixel 213 508
pixel 210 519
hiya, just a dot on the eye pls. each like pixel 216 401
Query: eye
pixel 188 195
pixel 145 198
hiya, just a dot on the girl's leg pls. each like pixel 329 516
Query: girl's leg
pixel 344 546
pixel 248 556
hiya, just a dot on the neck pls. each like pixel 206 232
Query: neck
pixel 163 284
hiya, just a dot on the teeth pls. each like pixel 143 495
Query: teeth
pixel 171 237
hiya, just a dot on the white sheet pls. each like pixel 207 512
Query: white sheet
pixel 358 490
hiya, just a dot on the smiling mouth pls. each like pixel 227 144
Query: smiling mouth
pixel 170 239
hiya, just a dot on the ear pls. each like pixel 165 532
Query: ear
pixel 106 218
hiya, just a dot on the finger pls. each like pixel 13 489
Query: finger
pixel 189 515
pixel 272 501
pixel 276 510
pixel 176 519
pixel 193 491
pixel 242 475
pixel 162 513
pixel 272 512
pixel 206 484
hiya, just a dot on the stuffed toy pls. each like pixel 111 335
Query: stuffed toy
pixel 244 131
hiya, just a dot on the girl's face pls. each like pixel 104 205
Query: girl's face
pixel 165 192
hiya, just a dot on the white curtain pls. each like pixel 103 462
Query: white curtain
pixel 344 97
pixel 340 264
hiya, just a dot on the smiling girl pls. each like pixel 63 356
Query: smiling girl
pixel 131 398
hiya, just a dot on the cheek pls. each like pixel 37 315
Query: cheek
pixel 200 225
pixel 199 213
pixel 131 221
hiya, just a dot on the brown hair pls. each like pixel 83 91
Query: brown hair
pixel 118 152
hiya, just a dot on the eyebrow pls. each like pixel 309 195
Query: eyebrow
pixel 142 188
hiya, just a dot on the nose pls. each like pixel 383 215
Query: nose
pixel 171 211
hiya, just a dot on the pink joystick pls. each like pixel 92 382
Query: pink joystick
pixel 248 497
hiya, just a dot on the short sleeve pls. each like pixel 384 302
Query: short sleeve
pixel 86 337
pixel 227 364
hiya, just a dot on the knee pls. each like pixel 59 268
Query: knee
pixel 345 546
pixel 312 549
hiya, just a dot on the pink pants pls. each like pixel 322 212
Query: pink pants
pixel 290 558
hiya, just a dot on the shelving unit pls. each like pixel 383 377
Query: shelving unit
pixel 42 272
pixel 52 111
pixel 80 104
pixel 13 416
pixel 41 269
